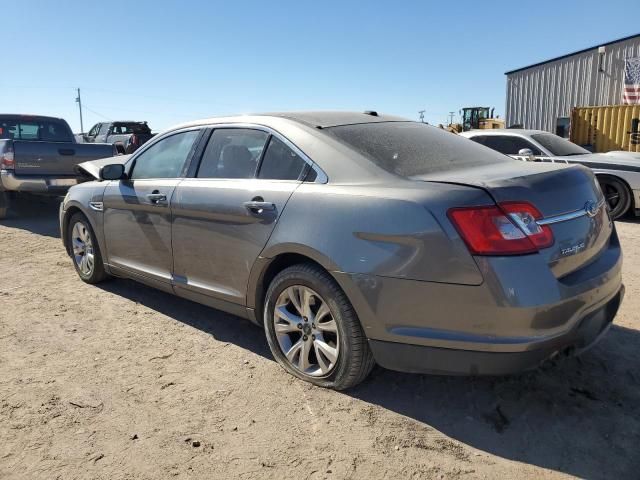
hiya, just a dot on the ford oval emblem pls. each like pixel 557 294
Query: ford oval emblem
pixel 591 208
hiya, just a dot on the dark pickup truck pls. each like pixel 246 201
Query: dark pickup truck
pixel 38 155
pixel 127 136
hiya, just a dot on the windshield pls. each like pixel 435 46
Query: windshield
pixel 409 148
pixel 36 130
pixel 558 146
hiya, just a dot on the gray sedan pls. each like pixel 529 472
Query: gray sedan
pixel 358 238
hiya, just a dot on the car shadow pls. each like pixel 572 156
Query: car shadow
pixel 579 416
pixel 222 326
pixel 35 214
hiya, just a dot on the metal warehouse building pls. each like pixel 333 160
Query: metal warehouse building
pixel 541 96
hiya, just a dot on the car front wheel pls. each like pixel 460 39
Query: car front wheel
pixel 84 250
pixel 313 331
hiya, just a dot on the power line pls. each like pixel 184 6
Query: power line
pixel 97 113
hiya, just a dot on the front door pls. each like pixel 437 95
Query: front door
pixel 138 210
pixel 225 215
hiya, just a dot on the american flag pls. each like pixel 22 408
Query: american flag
pixel 631 93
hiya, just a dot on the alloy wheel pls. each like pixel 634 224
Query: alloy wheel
pixel 82 248
pixel 306 330
pixel 612 195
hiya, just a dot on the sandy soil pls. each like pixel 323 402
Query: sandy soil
pixel 122 381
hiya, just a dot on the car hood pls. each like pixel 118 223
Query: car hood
pixel 93 167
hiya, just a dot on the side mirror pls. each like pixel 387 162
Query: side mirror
pixel 114 171
pixel 525 152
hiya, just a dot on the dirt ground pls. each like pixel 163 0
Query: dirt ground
pixel 121 381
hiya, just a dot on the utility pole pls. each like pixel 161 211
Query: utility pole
pixel 79 102
pixel 421 112
pixel 451 114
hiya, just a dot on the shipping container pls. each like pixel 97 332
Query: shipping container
pixel 603 129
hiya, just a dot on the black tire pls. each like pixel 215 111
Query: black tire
pixel 96 274
pixel 4 205
pixel 617 195
pixel 355 359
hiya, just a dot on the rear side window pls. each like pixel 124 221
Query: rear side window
pixel 280 162
pixel 410 148
pixel 507 144
pixel 232 153
pixel 129 128
pixel 165 158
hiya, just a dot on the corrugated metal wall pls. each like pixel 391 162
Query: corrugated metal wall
pixel 537 96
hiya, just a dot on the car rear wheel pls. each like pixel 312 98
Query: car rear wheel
pixel 313 331
pixel 616 194
pixel 85 251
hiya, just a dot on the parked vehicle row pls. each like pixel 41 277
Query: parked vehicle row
pixel 38 155
pixel 617 172
pixel 358 238
pixel 127 136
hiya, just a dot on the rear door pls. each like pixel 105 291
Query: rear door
pixel 225 214
pixel 138 210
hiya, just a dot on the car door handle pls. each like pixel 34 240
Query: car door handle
pixel 259 207
pixel 157 198
pixel 66 151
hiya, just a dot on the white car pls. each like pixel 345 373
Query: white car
pixel 618 172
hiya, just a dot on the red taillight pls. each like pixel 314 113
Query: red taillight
pixel 134 139
pixel 506 229
pixel 6 160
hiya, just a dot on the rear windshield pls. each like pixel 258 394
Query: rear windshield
pixel 409 148
pixel 558 146
pixel 34 129
pixel 128 128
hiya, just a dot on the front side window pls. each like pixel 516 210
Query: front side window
pixel 280 162
pixel 232 153
pixel 411 149
pixel 165 158
pixel 94 130
pixel 507 144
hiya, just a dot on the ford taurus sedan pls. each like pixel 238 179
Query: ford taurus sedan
pixel 358 238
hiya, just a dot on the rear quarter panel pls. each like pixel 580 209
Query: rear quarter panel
pixel 394 232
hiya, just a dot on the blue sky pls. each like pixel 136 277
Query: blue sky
pixel 172 61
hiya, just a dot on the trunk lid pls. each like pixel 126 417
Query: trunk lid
pixel 561 193
pixel 55 158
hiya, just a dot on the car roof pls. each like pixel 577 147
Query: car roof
pixel 315 119
pixel 502 131
pixel 26 116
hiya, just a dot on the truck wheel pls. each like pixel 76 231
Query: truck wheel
pixel 616 194
pixel 85 251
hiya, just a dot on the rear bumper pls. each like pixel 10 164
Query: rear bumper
pixel 519 316
pixel 434 360
pixel 10 182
